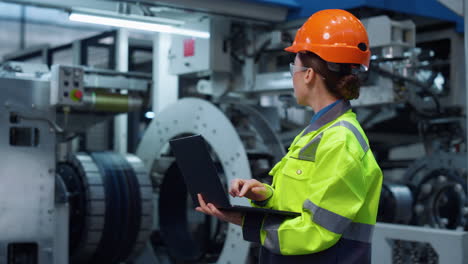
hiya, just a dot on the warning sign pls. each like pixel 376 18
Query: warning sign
pixel 189 47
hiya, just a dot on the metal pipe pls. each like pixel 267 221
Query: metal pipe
pixel 121 121
pixel 23 27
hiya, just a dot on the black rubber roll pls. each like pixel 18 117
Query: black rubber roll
pixel 123 208
pixel 133 215
pixel 110 210
pixel 113 228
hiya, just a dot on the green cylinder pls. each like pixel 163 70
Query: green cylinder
pixel 113 102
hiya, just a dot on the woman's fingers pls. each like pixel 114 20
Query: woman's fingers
pixel 240 187
pixel 201 201
pixel 204 208
pixel 210 209
pixel 233 187
pixel 236 184
pixel 245 188
pixel 201 210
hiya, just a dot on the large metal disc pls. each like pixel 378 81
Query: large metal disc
pixel 195 116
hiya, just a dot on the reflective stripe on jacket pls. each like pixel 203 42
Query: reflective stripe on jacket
pixel 332 178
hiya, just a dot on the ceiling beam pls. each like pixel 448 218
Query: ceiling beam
pixel 233 8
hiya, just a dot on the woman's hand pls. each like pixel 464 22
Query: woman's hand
pixel 210 209
pixel 251 189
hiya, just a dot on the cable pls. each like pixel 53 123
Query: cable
pixel 402 80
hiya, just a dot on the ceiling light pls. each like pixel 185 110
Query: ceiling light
pixel 134 24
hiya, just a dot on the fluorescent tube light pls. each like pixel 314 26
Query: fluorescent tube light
pixel 126 23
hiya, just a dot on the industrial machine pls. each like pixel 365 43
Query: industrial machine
pixel 234 88
pixel 76 207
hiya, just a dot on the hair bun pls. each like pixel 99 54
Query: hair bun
pixel 348 86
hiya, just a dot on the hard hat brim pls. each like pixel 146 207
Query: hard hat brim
pixel 342 54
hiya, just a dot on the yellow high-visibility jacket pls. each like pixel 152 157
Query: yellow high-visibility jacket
pixel 331 177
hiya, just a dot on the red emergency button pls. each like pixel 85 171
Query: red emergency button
pixel 77 95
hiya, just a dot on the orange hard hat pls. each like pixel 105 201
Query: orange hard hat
pixel 336 36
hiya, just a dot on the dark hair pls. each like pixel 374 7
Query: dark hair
pixel 338 78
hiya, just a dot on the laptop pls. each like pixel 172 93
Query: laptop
pixel 200 175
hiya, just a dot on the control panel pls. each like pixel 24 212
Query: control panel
pixel 67 85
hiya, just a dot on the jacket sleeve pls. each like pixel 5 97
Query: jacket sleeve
pixel 334 198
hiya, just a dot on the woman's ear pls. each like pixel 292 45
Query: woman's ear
pixel 309 76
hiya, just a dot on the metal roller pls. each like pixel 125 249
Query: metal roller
pixel 439 190
pixel 440 201
pixel 110 206
pixel 396 204
pixel 74 186
pixel 95 208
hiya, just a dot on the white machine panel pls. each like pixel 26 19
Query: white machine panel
pixel 189 55
pixel 193 55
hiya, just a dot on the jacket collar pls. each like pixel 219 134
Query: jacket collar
pixel 336 111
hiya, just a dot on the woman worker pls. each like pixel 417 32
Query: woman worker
pixel 329 174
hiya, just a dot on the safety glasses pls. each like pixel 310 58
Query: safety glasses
pixel 293 69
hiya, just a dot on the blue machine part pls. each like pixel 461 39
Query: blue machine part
pixel 427 8
pixel 287 3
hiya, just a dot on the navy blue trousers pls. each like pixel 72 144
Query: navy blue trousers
pixel 344 252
